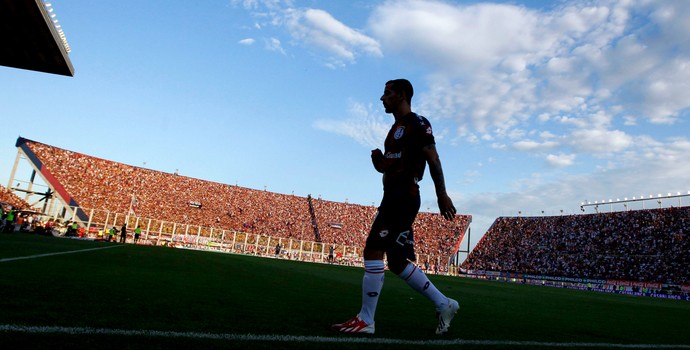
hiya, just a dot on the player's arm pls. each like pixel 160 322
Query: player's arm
pixel 445 204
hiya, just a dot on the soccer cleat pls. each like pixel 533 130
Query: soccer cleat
pixel 445 315
pixel 354 325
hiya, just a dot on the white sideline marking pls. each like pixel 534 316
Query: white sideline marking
pixel 315 339
pixel 57 253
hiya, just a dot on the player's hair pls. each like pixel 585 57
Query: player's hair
pixel 402 86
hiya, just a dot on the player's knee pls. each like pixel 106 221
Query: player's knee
pixel 396 263
pixel 372 254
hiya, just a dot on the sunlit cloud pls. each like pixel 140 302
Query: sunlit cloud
pixel 365 125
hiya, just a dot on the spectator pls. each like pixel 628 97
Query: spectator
pixel 123 234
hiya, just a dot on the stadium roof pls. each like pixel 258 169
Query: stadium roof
pixel 30 38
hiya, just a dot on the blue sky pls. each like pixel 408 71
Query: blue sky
pixel 536 105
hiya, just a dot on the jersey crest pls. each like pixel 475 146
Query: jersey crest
pixel 399 132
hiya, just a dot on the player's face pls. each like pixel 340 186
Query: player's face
pixel 390 99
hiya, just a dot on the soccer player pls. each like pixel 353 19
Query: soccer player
pixel 409 146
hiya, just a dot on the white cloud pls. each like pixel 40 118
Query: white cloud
pixel 273 44
pixel 598 141
pixel 457 38
pixel 271 5
pixel 546 135
pixel 629 120
pixel 529 145
pixel 364 125
pixel 315 29
pixel 320 29
pixel 560 160
pixel 248 41
pixel 503 65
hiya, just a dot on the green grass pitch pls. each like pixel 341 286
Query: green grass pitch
pixel 111 298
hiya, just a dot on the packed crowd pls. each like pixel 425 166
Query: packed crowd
pixel 645 245
pixel 13 216
pixel 6 196
pixel 343 223
pixel 109 186
pixel 433 245
pixel 105 185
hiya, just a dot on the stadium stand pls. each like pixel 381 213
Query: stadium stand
pixel 644 245
pixel 342 223
pixel 7 196
pixel 12 206
pixel 95 185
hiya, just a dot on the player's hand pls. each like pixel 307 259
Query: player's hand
pixel 445 205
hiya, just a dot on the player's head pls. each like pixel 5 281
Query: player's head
pixel 402 87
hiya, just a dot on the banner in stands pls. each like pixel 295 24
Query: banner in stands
pixel 652 289
pixel 565 279
pixel 651 285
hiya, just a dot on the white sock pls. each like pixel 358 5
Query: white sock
pixel 372 283
pixel 419 282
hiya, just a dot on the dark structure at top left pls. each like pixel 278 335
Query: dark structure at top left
pixel 33 39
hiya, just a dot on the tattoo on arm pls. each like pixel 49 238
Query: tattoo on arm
pixel 435 168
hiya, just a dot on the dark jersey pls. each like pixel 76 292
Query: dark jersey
pixel 404 161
